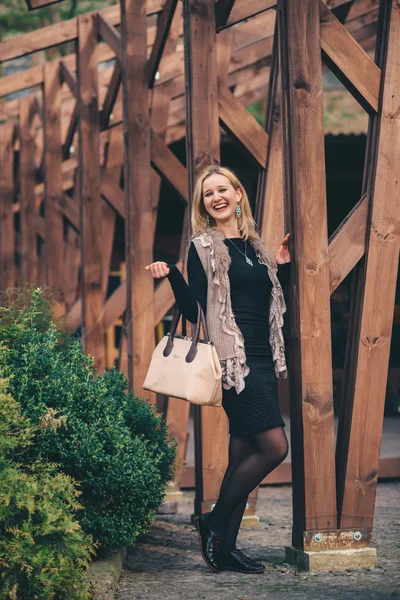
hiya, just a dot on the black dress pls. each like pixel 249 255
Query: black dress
pixel 256 408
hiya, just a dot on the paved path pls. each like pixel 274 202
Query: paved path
pixel 166 565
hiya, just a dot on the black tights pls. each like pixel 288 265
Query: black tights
pixel 251 458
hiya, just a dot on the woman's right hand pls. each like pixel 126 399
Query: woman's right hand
pixel 158 269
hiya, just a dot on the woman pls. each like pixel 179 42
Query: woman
pixel 234 278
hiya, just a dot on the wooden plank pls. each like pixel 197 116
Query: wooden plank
pixel 7 237
pixel 236 119
pixel 245 9
pixel 29 257
pixel 90 201
pixel 109 34
pixel 53 180
pixel 56 34
pixel 138 206
pixel 312 430
pixel 373 337
pixel 350 63
pixel 203 147
pixel 163 26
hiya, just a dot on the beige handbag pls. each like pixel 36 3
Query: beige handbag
pixel 186 367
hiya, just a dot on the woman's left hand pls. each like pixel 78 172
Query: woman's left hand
pixel 283 254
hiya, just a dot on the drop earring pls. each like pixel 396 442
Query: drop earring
pixel 238 211
pixel 208 220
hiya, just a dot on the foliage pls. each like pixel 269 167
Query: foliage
pixel 112 443
pixel 15 17
pixel 43 551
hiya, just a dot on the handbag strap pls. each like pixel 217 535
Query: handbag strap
pixel 193 347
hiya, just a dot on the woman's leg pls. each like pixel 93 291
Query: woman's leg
pixel 239 449
pixel 269 450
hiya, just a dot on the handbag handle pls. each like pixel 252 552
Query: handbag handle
pixel 193 347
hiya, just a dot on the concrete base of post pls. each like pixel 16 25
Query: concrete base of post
pixel 170 504
pixel 331 560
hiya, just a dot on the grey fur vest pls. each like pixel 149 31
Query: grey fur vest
pixel 223 330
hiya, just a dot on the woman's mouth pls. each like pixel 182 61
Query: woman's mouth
pixel 221 206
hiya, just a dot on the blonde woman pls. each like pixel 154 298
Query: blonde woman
pixel 238 285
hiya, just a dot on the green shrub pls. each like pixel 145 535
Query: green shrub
pixel 112 443
pixel 43 551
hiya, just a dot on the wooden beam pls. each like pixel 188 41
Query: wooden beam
pixel 53 179
pixel 236 119
pixel 138 206
pixel 68 77
pixel 109 34
pixel 72 126
pixel 7 236
pixel 347 243
pixel 33 4
pixel 111 96
pixel 312 426
pixel 163 26
pixel 72 261
pixel 90 201
pixel 258 28
pixel 203 147
pixel 350 63
pixel 166 164
pixel 111 191
pixel 29 257
pixel 377 304
pixel 59 33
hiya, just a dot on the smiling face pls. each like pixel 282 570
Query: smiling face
pixel 220 198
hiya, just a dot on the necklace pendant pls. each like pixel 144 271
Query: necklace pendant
pixel 249 262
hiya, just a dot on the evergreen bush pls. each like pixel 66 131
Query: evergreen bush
pixel 43 551
pixel 111 442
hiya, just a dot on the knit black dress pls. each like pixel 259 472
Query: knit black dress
pixel 256 408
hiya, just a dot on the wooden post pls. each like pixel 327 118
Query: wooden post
pixel 90 200
pixel 53 180
pixel 312 435
pixel 138 208
pixel 203 142
pixel 377 302
pixel 7 238
pixel 29 256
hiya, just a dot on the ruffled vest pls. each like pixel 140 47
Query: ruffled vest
pixel 222 327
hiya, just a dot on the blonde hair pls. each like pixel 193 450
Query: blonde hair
pixel 246 224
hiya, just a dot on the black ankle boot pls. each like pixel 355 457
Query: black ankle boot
pixel 210 541
pixel 238 561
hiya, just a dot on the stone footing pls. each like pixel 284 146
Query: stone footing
pixel 250 522
pixel 331 560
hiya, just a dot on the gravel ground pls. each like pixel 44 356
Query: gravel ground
pixel 166 564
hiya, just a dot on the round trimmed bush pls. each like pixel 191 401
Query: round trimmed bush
pixel 113 443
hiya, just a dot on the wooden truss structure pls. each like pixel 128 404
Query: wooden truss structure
pixel 88 144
